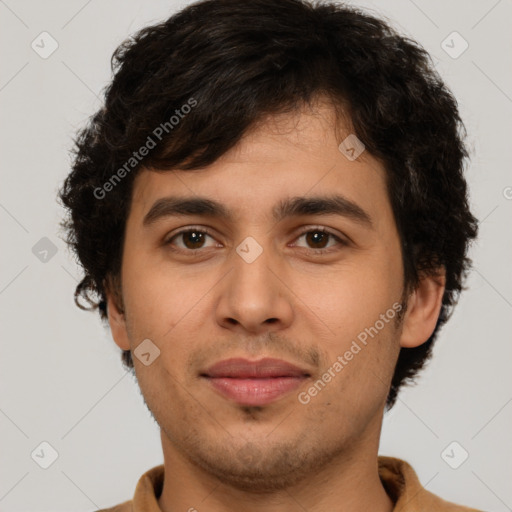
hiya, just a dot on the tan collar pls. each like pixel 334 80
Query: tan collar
pixel 397 476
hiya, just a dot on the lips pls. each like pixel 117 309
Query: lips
pixel 245 369
pixel 254 382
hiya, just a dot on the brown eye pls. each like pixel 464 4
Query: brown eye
pixel 190 239
pixel 318 238
pixel 193 239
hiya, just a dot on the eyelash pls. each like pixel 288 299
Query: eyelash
pixel 307 230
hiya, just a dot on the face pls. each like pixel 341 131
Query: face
pixel 317 287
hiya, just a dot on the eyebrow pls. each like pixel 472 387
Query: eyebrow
pixel 296 206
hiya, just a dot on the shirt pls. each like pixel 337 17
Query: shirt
pixel 397 476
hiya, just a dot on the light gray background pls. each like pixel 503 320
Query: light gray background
pixel 61 376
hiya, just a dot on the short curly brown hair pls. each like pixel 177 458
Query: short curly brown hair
pixel 241 61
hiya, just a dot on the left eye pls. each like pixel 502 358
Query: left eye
pixel 319 237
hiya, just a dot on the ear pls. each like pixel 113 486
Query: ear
pixel 116 315
pixel 423 308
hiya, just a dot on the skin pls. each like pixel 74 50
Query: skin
pixel 286 456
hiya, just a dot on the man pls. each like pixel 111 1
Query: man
pixel 272 214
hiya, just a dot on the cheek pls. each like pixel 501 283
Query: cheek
pixel 350 296
pixel 158 293
pixel 354 383
pixel 170 306
pixel 359 304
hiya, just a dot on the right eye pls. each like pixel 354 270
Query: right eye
pixel 192 239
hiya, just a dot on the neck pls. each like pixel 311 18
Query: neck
pixel 350 482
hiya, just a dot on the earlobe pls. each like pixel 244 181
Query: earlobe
pixel 116 317
pixel 423 309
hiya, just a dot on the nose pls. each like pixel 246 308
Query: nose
pixel 254 295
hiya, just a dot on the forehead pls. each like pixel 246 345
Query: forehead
pixel 284 156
